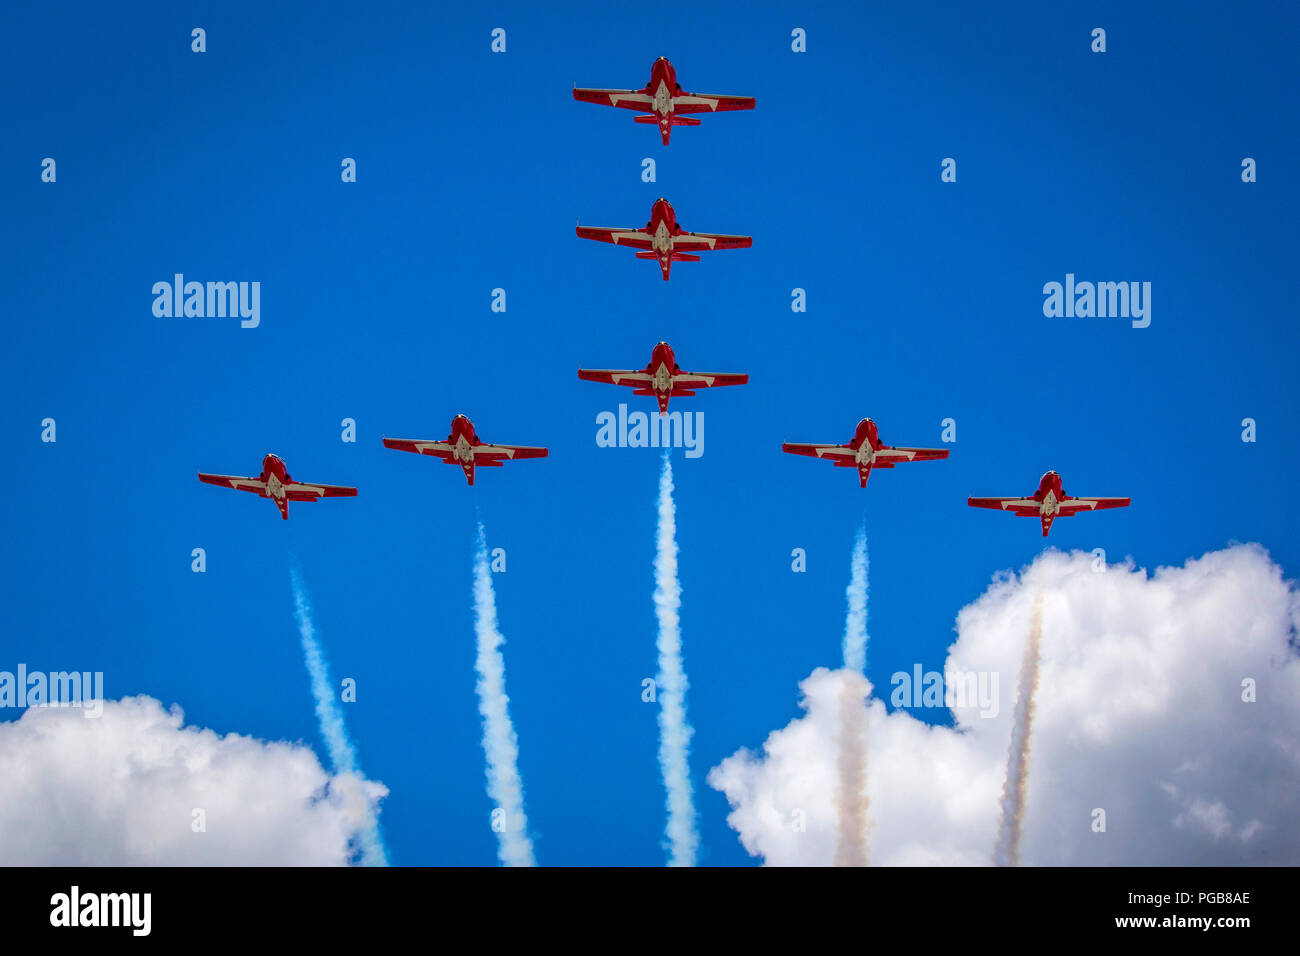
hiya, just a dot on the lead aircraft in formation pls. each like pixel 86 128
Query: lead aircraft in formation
pixel 663 101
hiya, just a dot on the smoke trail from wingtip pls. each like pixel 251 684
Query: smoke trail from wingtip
pixel 1007 850
pixel 851 800
pixel 674 731
pixel 500 745
pixel 342 752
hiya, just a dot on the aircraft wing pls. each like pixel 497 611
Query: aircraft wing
pixel 506 452
pixel 706 380
pixel 625 99
pixel 304 491
pixel 618 236
pixel 438 449
pixel 1018 506
pixel 1075 505
pixel 707 103
pixel 831 452
pixel 705 241
pixel 615 376
pixel 897 454
pixel 256 485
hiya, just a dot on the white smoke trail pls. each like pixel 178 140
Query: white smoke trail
pixel 342 753
pixel 851 802
pixel 500 745
pixel 851 762
pixel 1007 850
pixel 674 731
pixel 855 626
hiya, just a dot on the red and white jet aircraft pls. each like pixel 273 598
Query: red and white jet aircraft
pixel 1049 501
pixel 462 447
pixel 664 239
pixel 662 378
pixel 274 483
pixel 865 452
pixel 665 100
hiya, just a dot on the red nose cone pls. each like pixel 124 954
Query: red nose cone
pixel 274 465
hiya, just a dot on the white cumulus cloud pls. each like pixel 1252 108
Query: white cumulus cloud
pixel 1139 714
pixel 121 790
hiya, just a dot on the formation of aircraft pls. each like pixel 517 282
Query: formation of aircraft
pixel 274 483
pixel 663 239
pixel 1048 503
pixel 865 451
pixel 662 377
pixel 462 447
pixel 663 101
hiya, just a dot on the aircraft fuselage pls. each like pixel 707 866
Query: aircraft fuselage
pixel 462 441
pixel 662 367
pixel 276 476
pixel 866 441
pixel 662 88
pixel 662 227
pixel 1050 494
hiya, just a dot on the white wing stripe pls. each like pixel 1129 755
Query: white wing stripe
pixel 691 239
pixel 712 104
pixel 508 450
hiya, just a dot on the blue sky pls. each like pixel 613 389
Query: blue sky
pixel 924 303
